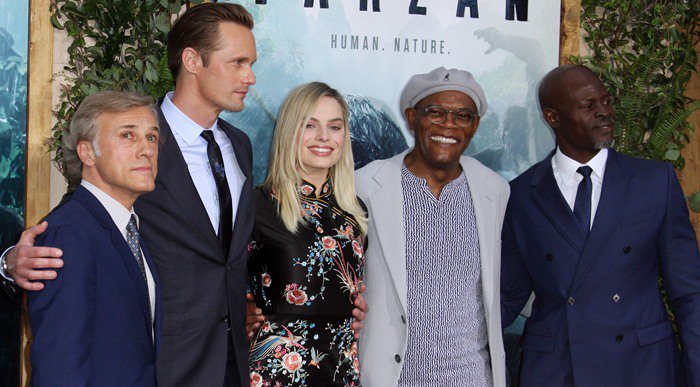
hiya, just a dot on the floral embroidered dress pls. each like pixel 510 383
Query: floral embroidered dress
pixel 304 283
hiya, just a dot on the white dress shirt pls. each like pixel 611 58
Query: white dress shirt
pixel 121 217
pixel 187 133
pixel 568 179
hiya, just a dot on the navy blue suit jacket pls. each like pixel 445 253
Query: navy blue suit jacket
pixel 204 288
pixel 598 318
pixel 91 324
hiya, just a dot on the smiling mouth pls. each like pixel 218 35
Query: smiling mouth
pixel 321 151
pixel 443 140
pixel 605 126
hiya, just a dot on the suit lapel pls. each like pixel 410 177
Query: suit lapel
pixel 387 206
pixel 483 202
pixel 547 196
pixel 241 225
pixel 612 198
pixel 174 175
pixel 93 205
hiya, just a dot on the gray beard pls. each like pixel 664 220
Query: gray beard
pixel 604 144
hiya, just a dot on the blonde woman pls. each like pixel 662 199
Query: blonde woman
pixel 307 253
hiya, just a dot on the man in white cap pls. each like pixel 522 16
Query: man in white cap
pixel 433 262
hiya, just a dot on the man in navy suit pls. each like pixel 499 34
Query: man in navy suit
pixel 588 230
pixel 198 219
pixel 98 323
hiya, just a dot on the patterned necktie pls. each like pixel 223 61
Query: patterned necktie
pixel 216 161
pixel 132 238
pixel 582 205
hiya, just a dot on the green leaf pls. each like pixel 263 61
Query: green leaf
pixel 672 154
pixel 55 22
pixel 694 201
pixel 163 22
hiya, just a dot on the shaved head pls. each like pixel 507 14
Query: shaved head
pixel 578 108
pixel 553 82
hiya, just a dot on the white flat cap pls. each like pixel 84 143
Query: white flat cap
pixel 441 79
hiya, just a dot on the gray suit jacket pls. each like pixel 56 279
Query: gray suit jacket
pixel 384 335
pixel 203 287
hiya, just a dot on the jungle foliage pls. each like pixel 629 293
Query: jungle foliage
pixel 13 121
pixel 644 50
pixel 116 45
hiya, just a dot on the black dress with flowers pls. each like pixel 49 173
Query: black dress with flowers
pixel 304 283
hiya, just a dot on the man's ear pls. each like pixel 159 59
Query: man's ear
pixel 86 152
pixel 476 122
pixel 551 117
pixel 410 116
pixel 191 60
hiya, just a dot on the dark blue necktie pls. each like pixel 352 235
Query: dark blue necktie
pixel 582 205
pixel 216 161
pixel 132 238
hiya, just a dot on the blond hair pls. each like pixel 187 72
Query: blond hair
pixel 283 178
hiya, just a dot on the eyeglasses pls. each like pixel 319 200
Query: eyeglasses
pixel 438 114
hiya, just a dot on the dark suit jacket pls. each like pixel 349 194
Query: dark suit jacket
pixel 203 287
pixel 598 318
pixel 91 325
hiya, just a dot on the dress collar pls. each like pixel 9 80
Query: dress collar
pixel 308 190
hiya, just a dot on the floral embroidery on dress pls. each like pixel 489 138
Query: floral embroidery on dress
pixel 306 283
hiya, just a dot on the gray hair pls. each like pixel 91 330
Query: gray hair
pixel 83 126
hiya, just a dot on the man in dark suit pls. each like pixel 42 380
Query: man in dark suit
pixel 98 323
pixel 587 229
pixel 197 222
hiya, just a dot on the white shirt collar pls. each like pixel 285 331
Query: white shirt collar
pixel 566 166
pixel 187 129
pixel 119 214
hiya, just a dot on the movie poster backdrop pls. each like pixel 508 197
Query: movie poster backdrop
pixel 368 49
pixel 14 37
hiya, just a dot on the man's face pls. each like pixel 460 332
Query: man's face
pixel 223 83
pixel 439 146
pixel 127 163
pixel 583 118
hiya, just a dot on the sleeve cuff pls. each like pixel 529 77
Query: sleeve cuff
pixel 2 266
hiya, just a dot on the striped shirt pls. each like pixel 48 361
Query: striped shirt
pixel 447 338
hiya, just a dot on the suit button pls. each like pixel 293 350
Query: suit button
pixel 403 319
pixel 571 301
pixel 627 249
pixel 550 257
pixel 619 338
pixel 397 358
pixel 228 267
pixel 616 298
pixel 224 318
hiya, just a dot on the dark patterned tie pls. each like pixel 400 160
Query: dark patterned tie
pixel 582 205
pixel 216 161
pixel 132 238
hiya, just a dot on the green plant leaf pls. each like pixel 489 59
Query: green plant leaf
pixel 672 154
pixel 694 201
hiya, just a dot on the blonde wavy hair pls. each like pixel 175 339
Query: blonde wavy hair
pixel 283 178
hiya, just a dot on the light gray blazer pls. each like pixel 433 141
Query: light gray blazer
pixel 384 335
